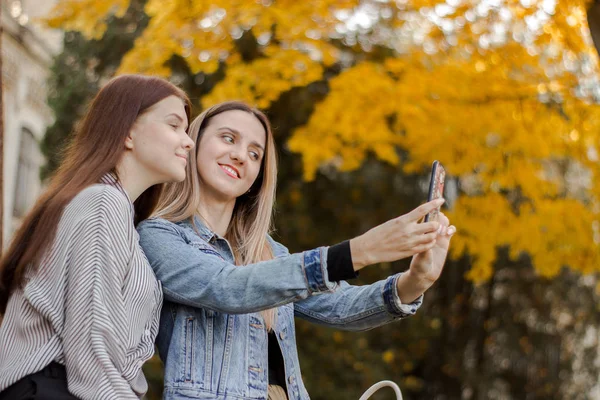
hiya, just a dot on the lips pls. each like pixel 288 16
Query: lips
pixel 182 156
pixel 231 171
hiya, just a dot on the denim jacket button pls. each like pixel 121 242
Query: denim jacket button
pixel 282 335
pixel 291 379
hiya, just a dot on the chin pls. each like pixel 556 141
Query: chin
pixel 177 177
pixel 229 196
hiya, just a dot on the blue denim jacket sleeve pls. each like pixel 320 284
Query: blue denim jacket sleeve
pixel 357 308
pixel 195 274
pixel 354 307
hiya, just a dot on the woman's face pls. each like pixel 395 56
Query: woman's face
pixel 230 154
pixel 159 142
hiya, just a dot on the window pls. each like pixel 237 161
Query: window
pixel 27 176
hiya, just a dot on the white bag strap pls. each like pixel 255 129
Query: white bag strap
pixel 380 385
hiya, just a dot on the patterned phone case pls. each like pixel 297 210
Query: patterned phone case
pixel 436 188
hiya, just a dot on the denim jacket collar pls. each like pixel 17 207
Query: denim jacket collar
pixel 201 229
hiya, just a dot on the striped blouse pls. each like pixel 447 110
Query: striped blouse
pixel 93 305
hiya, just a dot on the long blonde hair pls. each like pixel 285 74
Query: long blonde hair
pixel 252 217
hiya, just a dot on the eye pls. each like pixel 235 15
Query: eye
pixel 174 126
pixel 254 155
pixel 228 138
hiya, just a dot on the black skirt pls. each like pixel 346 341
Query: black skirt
pixel 47 384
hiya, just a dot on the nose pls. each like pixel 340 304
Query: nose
pixel 238 155
pixel 188 143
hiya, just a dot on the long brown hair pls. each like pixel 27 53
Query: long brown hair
pixel 95 150
pixel 252 217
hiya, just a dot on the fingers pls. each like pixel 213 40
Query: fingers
pixel 444 226
pixel 443 220
pixel 428 240
pixel 427 237
pixel 446 230
pixel 424 209
pixel 420 248
pixel 427 227
pixel 451 230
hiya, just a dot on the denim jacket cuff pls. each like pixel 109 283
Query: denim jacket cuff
pixel 315 268
pixel 393 303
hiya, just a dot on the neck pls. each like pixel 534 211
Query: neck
pixel 216 214
pixel 134 181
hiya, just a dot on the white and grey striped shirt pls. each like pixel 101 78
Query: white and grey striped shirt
pixel 93 305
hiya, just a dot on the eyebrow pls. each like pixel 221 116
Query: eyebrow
pixel 239 134
pixel 178 117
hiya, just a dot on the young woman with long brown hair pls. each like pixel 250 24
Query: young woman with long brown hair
pixel 231 292
pixel 80 303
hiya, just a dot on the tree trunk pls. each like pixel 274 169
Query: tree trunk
pixel 593 18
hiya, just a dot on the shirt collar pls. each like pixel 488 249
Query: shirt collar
pixel 111 179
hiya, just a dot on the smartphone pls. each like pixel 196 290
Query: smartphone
pixel 436 188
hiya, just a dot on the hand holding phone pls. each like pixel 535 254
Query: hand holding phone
pixel 436 188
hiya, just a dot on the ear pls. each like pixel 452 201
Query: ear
pixel 129 140
pixel 129 143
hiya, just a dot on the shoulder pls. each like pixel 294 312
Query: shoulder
pixel 152 224
pixel 163 240
pixel 101 199
pixel 99 222
pixel 99 207
pixel 279 250
pixel 153 227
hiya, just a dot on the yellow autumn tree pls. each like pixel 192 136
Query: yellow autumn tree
pixel 504 93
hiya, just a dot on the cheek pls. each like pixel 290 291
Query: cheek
pixel 200 159
pixel 153 141
pixel 255 171
pixel 201 164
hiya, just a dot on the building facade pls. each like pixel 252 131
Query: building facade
pixel 27 53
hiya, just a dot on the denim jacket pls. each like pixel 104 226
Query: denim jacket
pixel 212 337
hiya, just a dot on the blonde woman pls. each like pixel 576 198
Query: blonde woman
pixel 231 292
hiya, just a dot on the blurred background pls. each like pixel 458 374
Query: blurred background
pixel 363 96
